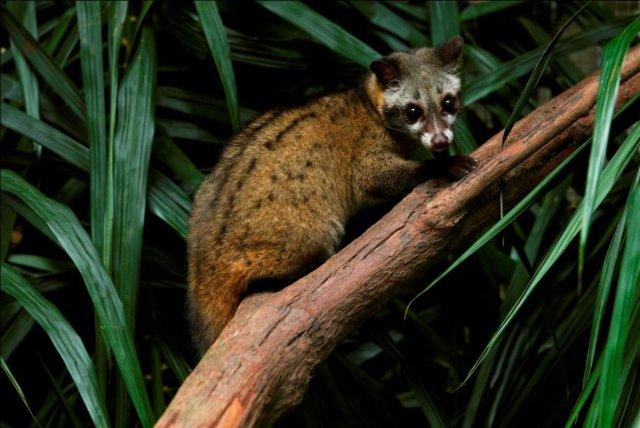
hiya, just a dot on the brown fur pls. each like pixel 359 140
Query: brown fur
pixel 276 204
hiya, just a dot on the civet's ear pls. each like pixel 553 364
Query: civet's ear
pixel 449 52
pixel 386 71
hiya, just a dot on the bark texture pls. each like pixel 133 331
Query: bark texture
pixel 261 364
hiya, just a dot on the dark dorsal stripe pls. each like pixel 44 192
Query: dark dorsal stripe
pixel 231 204
pixel 240 147
pixel 271 144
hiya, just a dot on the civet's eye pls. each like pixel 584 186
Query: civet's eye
pixel 413 113
pixel 449 104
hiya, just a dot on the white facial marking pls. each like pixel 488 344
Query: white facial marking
pixel 393 95
pixel 448 133
pixel 453 84
pixel 449 119
pixel 425 139
pixel 416 127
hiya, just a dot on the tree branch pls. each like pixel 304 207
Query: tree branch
pixel 261 364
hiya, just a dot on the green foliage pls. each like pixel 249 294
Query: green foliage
pixel 214 31
pixel 612 58
pixel 64 338
pixel 113 112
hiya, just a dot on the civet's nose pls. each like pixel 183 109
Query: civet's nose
pixel 439 142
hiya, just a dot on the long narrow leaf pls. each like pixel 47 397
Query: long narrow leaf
pixel 443 20
pixel 479 88
pixel 28 79
pixel 74 240
pixel 64 338
pixel 612 58
pixel 13 335
pixel 501 224
pixel 627 300
pixel 166 200
pixel 604 288
pixel 101 194
pixel 62 25
pixel 216 37
pixel 117 15
pixel 132 152
pixel 90 32
pixel 539 68
pixel 427 405
pixel 326 32
pixel 168 152
pixel 65 146
pixel 382 16
pixel 16 386
pixel 609 176
pixel 134 136
pixel 42 62
pixel 478 9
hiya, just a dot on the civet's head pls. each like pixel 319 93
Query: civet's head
pixel 417 92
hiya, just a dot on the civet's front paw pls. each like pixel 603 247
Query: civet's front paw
pixel 459 166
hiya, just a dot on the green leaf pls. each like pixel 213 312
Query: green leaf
pixel 568 73
pixel 379 14
pixel 489 83
pixel 175 361
pixel 116 18
pixel 100 151
pixel 169 202
pixel 117 15
pixel 612 58
pixel 478 9
pixel 588 388
pixel 197 105
pixel 64 338
pixel 166 151
pixel 90 32
pixel 539 68
pixel 66 402
pixel 627 300
pixel 63 56
pixel 610 174
pixel 443 20
pixel 133 140
pixel 26 10
pixel 216 37
pixel 135 127
pixel 15 333
pixel 323 30
pixel 187 131
pixel 166 200
pixel 16 386
pixel 427 405
pixel 464 140
pixel 604 289
pixel 132 152
pixel 50 45
pixel 70 235
pixel 49 137
pixel 42 63
pixel 501 224
pixel 39 263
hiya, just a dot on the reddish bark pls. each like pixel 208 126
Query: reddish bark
pixel 261 364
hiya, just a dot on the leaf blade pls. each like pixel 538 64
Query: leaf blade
pixel 64 338
pixel 42 63
pixel 70 235
pixel 323 30
pixel 612 58
pixel 216 36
